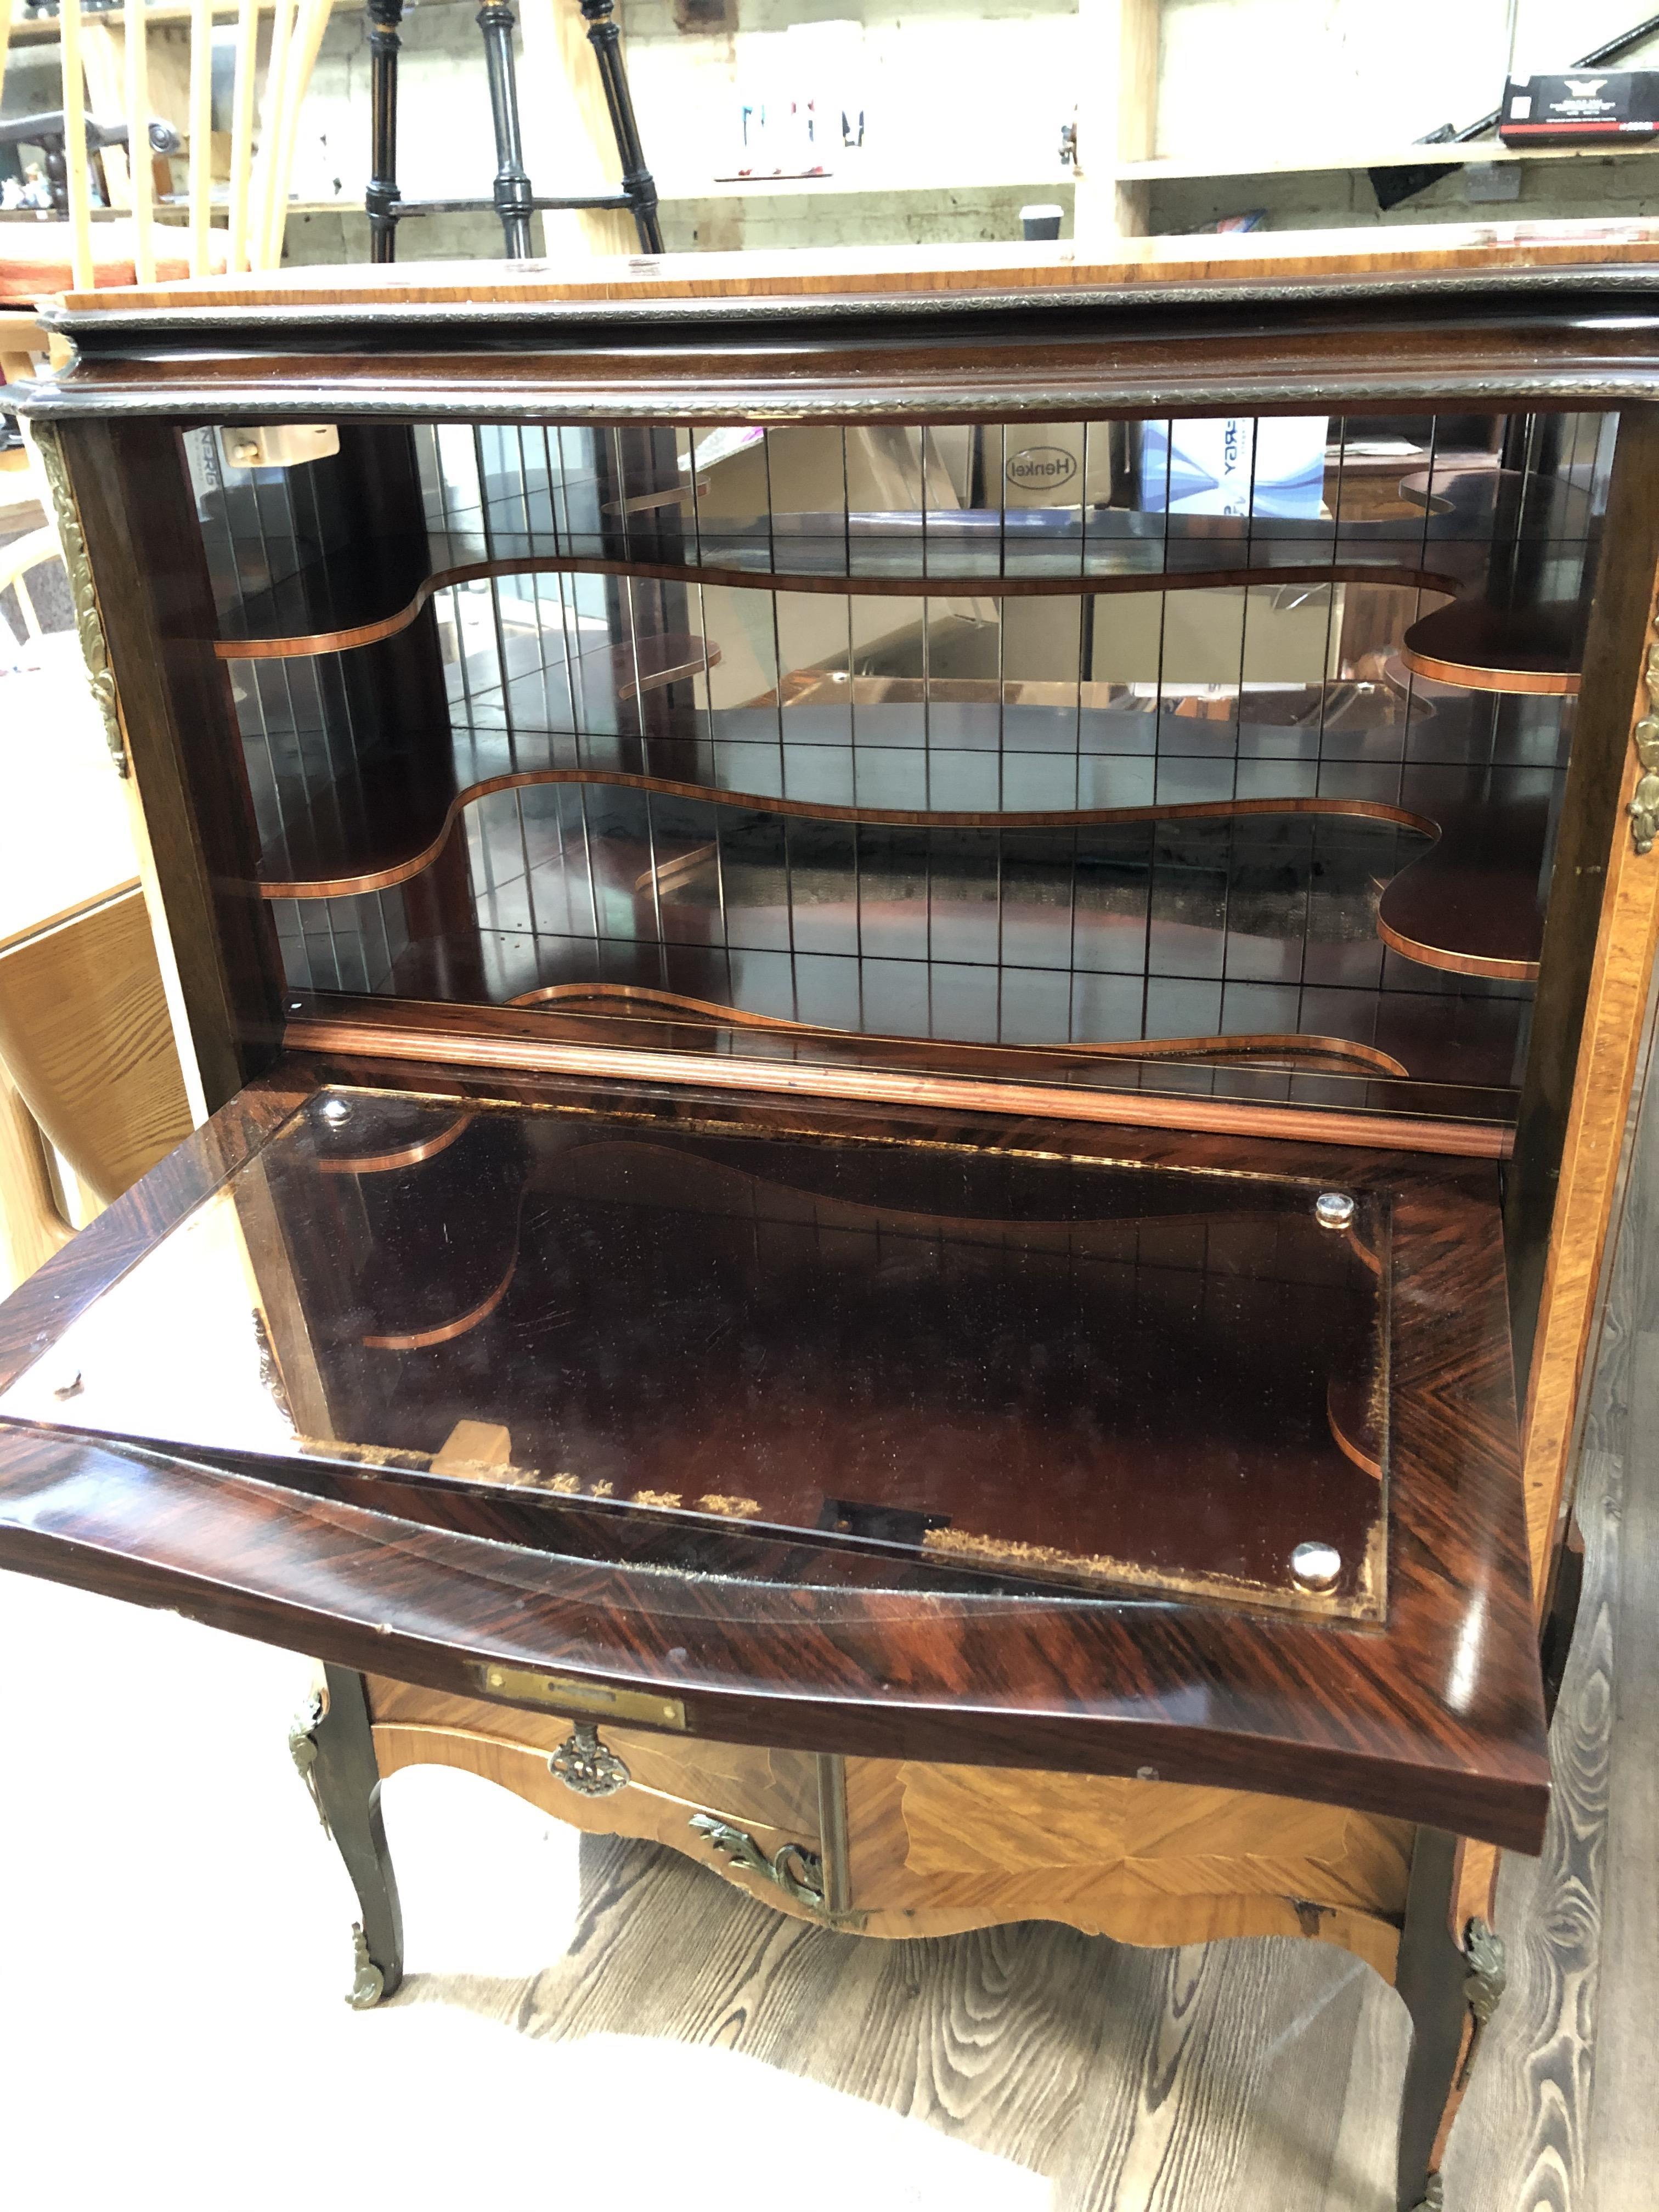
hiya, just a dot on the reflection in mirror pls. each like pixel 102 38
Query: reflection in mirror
pixel 1127 1380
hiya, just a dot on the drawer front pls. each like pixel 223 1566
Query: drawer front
pixel 929 1849
pixel 740 1783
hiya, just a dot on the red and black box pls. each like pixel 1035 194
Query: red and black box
pixel 1585 108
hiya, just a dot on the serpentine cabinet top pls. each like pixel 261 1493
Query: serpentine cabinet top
pixel 1238 257
pixel 1549 313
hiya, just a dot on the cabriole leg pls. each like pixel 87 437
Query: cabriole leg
pixel 1452 1989
pixel 333 1748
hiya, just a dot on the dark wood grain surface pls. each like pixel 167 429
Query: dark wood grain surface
pixel 804 1339
pixel 1436 1716
pixel 1611 698
pixel 654 1043
pixel 1575 345
pixel 156 607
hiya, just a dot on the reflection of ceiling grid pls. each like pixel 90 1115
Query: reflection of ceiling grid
pixel 1069 646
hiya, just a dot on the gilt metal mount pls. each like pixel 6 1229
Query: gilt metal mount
pixel 589 1767
pixel 1484 1986
pixel 303 1750
pixel 83 593
pixel 1644 808
pixel 367 1982
pixel 797 1872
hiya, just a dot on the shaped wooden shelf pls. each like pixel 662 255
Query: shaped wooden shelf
pixel 331 606
pixel 1469 905
pixel 1478 500
pixel 677 1010
pixel 1523 650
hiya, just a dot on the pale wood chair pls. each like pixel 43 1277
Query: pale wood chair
pixel 32 551
pixel 89 1068
pixel 32 1226
pixel 87 1041
pixel 125 65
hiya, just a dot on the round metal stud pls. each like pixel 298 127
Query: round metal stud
pixel 1334 1209
pixel 334 1109
pixel 1316 1566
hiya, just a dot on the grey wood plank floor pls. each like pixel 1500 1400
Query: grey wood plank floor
pixel 607 2025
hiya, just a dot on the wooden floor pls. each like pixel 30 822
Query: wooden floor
pixel 607 2026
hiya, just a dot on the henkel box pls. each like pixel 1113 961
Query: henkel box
pixel 1058 466
pixel 1586 107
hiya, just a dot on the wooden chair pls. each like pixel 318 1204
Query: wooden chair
pixel 32 551
pixel 87 1063
pixel 32 1225
pixel 107 63
pixel 87 1041
pixel 88 1066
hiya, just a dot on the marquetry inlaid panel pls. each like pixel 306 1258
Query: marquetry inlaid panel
pixel 748 1785
pixel 935 1849
pixel 1144 1861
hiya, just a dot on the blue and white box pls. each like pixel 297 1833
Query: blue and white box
pixel 1267 465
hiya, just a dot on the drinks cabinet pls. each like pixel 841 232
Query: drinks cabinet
pixel 922 980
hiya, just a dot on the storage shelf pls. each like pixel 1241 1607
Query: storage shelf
pixel 1468 905
pixel 902 804
pixel 1325 161
pixel 1526 650
pixel 1409 1046
pixel 902 759
pixel 260 633
pixel 329 604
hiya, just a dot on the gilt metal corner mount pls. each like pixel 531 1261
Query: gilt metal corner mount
pixel 83 593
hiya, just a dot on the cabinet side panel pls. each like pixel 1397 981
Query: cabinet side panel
pixel 157 602
pixel 1592 993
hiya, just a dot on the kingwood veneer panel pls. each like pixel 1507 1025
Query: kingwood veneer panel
pixel 1389 1728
